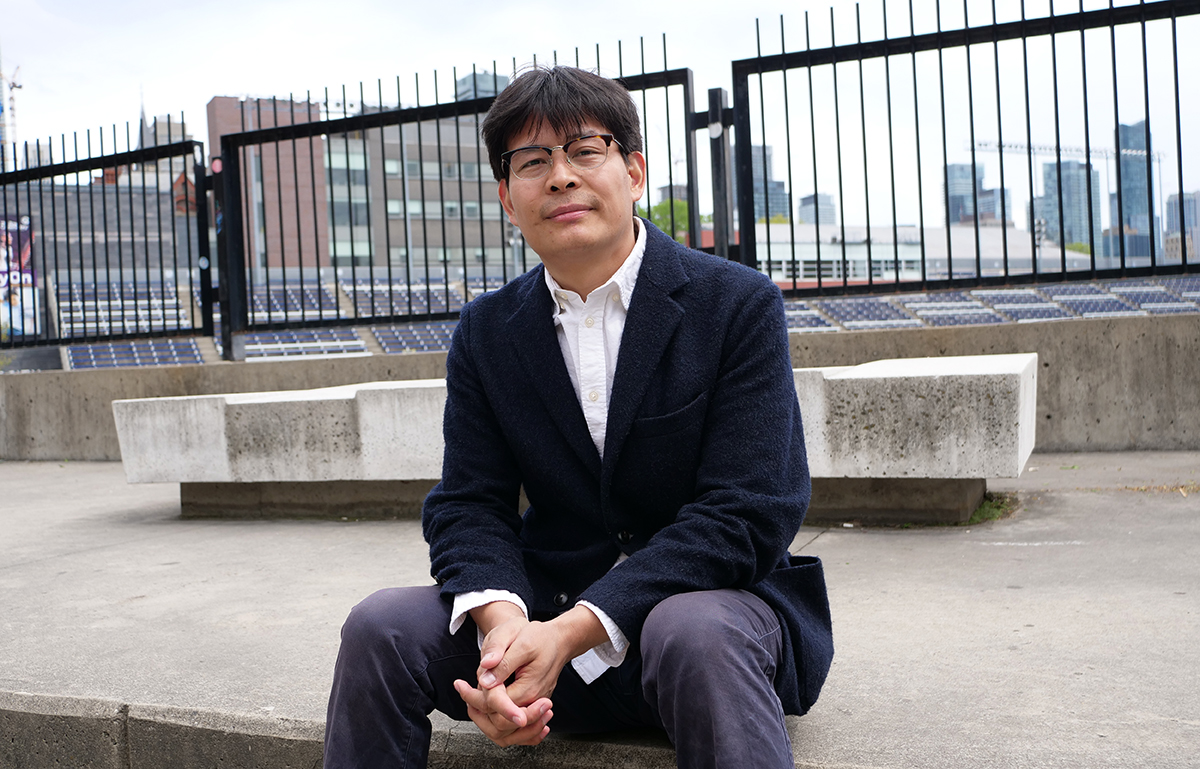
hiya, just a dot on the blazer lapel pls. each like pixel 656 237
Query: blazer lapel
pixel 649 326
pixel 535 339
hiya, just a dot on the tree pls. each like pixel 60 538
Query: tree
pixel 660 216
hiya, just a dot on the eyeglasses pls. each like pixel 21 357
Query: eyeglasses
pixel 585 153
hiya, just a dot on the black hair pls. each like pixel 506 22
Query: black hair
pixel 563 98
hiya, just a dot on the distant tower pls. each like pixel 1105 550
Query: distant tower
pixel 478 85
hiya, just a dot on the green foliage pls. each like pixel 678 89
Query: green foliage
pixel 1079 248
pixel 994 507
pixel 660 216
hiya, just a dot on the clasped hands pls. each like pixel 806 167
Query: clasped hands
pixel 519 665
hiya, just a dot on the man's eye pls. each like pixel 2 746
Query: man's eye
pixel 530 162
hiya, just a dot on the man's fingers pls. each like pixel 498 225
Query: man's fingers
pixel 502 732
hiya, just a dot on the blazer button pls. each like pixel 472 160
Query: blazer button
pixel 624 537
pixel 560 599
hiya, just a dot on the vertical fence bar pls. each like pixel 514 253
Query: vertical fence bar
pixel 794 266
pixel 837 123
pixel 1120 225
pixel 971 126
pixel 350 218
pixel 1033 238
pixel 479 174
pixel 812 130
pixel 299 225
pixel 1087 141
pixel 404 182
pixel 424 201
pixel 107 255
pixel 1150 223
pixel 387 216
pixel 742 166
pixel 1000 142
pixel 862 116
pixel 283 290
pixel 945 154
pixel 444 257
pixel 887 80
pixel 162 285
pixel 1062 233
pixel 462 209
pixel 366 170
pixel 312 172
pixel 1183 229
pixel 670 155
pixel 92 243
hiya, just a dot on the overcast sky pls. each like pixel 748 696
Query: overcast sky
pixel 85 65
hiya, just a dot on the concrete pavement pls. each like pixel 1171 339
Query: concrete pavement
pixel 1063 636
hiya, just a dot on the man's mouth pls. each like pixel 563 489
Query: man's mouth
pixel 568 212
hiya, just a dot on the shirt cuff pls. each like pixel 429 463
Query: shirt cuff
pixel 464 602
pixel 591 664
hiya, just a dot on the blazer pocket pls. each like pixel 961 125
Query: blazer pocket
pixel 680 419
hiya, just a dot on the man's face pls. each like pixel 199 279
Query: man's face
pixel 571 213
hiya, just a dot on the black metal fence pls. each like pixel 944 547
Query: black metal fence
pixel 876 127
pixel 859 165
pixel 103 245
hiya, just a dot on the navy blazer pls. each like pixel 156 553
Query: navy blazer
pixel 704 481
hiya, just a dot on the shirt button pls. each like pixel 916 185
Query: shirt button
pixel 593 396
pixel 624 537
pixel 560 599
pixel 589 322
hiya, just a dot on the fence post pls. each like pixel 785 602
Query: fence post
pixel 204 262
pixel 719 117
pixel 232 263
pixel 747 252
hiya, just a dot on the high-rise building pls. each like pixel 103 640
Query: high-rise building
pixel 817 209
pixel 1191 212
pixel 1129 207
pixel 1074 203
pixel 962 202
pixel 771 197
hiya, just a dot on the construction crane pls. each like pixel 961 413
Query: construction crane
pixel 1035 150
pixel 1050 149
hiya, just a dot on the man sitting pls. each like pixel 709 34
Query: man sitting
pixel 641 393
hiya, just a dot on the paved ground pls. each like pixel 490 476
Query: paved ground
pixel 1063 636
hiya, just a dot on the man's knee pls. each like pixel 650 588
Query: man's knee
pixel 396 617
pixel 711 628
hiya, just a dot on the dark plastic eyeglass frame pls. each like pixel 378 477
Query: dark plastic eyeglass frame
pixel 609 141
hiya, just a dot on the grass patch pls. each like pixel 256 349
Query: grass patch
pixel 995 505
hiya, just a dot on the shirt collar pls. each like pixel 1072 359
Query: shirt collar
pixel 625 278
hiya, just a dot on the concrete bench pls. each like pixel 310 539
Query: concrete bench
pixel 888 441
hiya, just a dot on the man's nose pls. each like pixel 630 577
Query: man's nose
pixel 562 174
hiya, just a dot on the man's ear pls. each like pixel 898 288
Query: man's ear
pixel 505 200
pixel 635 162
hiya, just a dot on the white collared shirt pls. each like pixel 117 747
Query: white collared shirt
pixel 589 333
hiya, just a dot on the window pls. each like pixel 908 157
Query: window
pixel 415 208
pixel 391 167
pixel 471 209
pixel 491 209
pixel 470 171
pixel 449 170
pixel 451 209
pixel 413 168
pixel 395 209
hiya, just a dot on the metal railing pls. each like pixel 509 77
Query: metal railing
pixel 352 209
pixel 102 246
pixel 876 154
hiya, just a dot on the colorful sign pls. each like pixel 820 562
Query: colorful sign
pixel 18 282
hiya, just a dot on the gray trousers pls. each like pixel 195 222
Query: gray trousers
pixel 702 671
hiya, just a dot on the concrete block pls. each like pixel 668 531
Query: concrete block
pixel 318 499
pixel 198 739
pixel 951 417
pixel 49 731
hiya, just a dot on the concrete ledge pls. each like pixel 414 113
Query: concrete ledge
pixel 52 732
